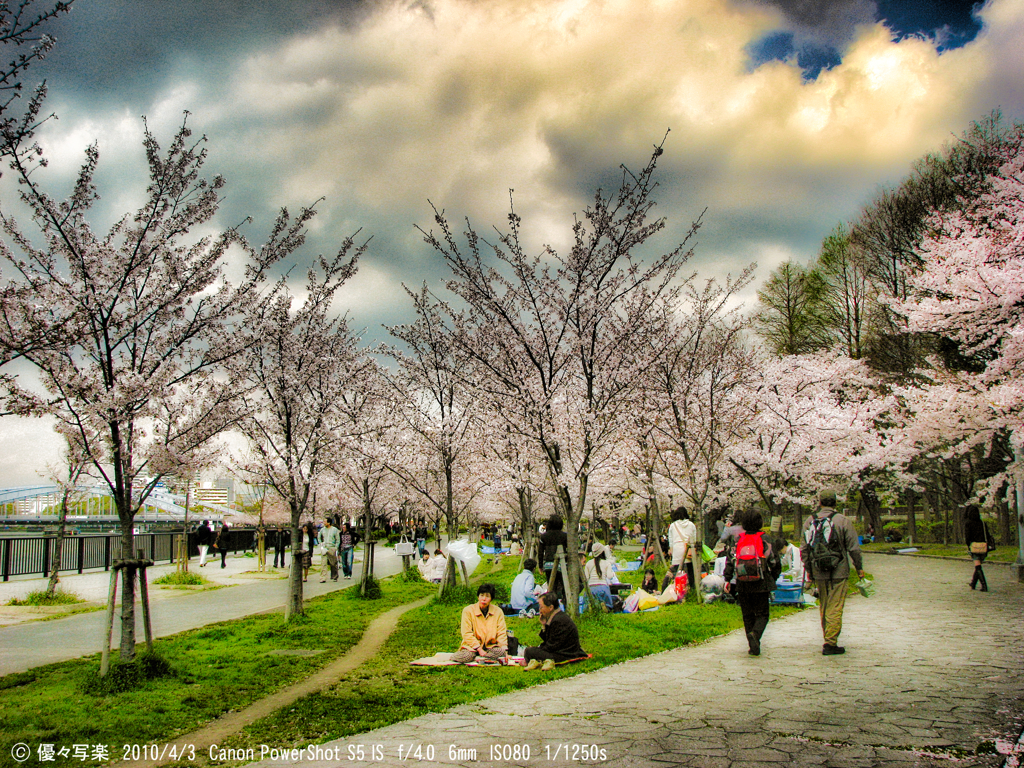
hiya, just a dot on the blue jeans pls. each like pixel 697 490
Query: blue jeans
pixel 346 560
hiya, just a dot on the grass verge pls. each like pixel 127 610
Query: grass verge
pixel 41 598
pixel 182 579
pixel 212 670
pixel 1003 553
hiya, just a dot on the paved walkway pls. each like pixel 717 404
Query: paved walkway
pixel 31 644
pixel 932 670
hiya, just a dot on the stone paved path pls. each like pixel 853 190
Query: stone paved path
pixel 932 671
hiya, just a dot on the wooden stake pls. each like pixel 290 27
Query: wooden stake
pixel 144 595
pixel 111 597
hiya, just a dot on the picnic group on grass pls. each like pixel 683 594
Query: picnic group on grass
pixel 747 571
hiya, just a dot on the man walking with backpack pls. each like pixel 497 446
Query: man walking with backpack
pixel 829 539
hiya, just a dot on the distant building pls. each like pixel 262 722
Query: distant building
pixel 220 491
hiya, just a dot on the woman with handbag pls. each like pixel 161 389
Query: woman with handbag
pixel 978 542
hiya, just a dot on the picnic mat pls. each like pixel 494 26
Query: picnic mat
pixel 444 659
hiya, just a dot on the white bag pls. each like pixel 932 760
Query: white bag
pixel 404 547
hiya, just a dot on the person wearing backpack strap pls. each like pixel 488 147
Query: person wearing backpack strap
pixel 829 543
pixel 756 566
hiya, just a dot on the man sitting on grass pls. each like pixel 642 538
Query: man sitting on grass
pixel 483 630
pixel 560 640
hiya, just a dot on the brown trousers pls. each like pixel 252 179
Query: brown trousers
pixel 831 602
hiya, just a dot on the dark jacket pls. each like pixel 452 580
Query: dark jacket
pixel 204 535
pixel 976 530
pixel 773 567
pixel 561 637
pixel 550 541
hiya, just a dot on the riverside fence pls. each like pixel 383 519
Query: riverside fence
pixel 31 555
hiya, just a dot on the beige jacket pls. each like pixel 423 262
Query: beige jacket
pixel 479 631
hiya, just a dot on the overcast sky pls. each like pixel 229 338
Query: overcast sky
pixel 785 116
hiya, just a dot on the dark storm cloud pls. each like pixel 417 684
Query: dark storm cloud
pixel 815 34
pixel 119 50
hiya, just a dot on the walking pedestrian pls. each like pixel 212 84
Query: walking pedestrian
pixel 755 566
pixel 349 539
pixel 329 540
pixel 829 543
pixel 979 543
pixel 221 544
pixel 204 537
pixel 682 535
pixel 282 538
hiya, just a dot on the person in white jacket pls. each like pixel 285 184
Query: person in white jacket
pixel 439 563
pixel 682 536
pixel 792 562
pixel 599 573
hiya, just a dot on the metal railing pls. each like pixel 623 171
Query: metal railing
pixel 30 555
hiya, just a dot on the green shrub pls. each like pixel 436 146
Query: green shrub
pixel 371 590
pixel 182 579
pixel 411 574
pixel 457 594
pixel 131 675
pixel 60 597
pixel 930 532
pixel 894 531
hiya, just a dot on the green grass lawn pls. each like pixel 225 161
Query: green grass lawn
pixel 217 668
pixel 1003 554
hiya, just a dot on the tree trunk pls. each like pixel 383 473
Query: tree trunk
pixel 127 590
pixel 294 607
pixel 798 521
pixel 911 515
pixel 870 505
pixel 367 573
pixel 1006 527
pixel 58 547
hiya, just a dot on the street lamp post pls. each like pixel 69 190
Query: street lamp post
pixel 1019 494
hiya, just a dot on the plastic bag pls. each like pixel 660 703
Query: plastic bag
pixel 463 551
pixel 680 586
pixel 707 554
pixel 866 587
pixel 647 601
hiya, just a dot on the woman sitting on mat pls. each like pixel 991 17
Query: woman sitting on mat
pixel 483 629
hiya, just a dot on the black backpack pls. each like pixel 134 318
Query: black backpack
pixel 826 553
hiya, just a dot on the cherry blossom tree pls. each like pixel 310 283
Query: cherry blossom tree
pixel 437 409
pixel 299 363
pixel 553 338
pixel 815 421
pixel 75 464
pixel 970 293
pixel 22 31
pixel 142 310
pixel 695 384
